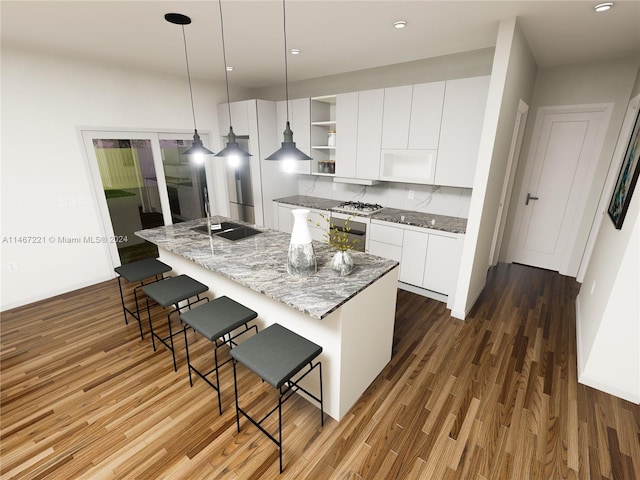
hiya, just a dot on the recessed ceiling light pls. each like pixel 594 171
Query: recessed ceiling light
pixel 229 68
pixel 603 7
pixel 400 24
pixel 294 51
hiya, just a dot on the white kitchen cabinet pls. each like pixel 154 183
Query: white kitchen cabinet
pixel 300 120
pixel 426 113
pixel 441 264
pixel 410 166
pixel 430 259
pixel 396 117
pixel 385 240
pixel 414 254
pixel 370 108
pixel 465 101
pixel 347 137
pixel 359 119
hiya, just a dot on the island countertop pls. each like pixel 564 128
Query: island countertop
pixel 260 263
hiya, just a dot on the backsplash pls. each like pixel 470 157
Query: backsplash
pixel 449 201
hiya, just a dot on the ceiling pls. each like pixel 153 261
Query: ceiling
pixel 334 36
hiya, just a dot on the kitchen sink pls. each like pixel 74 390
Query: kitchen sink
pixel 229 230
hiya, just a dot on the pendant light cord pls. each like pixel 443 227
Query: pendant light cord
pixel 224 57
pixel 286 69
pixel 186 59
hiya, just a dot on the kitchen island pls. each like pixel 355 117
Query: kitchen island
pixel 351 317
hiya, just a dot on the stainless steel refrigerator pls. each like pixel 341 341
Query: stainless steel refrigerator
pixel 239 186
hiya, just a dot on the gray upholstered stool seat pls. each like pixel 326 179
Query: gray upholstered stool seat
pixel 276 355
pixel 216 322
pixel 149 269
pixel 170 292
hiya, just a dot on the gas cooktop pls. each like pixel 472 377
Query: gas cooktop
pixel 358 208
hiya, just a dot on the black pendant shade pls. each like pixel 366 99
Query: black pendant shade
pixel 197 149
pixel 232 150
pixel 288 150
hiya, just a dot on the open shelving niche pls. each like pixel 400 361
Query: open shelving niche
pixel 323 121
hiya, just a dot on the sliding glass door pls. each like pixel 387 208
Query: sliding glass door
pixel 142 180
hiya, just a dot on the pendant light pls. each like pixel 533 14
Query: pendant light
pixel 197 150
pixel 232 152
pixel 288 150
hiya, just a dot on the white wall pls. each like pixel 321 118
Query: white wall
pixel 45 100
pixel 511 80
pixel 608 306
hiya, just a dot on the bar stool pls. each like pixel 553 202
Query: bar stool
pixel 215 321
pixel 139 271
pixel 276 354
pixel 168 292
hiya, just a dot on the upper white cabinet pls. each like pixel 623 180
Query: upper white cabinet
pixel 300 120
pixel 410 132
pixel 347 137
pixel 397 116
pixel 465 101
pixel 426 114
pixel 412 115
pixel 370 108
pixel 359 117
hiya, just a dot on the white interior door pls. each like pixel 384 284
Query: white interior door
pixel 565 147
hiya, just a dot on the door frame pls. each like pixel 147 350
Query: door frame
pixel 87 134
pixel 606 109
pixel 509 179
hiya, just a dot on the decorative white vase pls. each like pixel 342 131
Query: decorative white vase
pixel 302 257
pixel 342 263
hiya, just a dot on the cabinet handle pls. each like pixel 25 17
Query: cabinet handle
pixel 530 197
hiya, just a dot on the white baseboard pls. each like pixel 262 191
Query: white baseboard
pixel 423 291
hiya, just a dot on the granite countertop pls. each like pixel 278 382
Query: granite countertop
pixel 260 263
pixel 407 217
pixel 309 202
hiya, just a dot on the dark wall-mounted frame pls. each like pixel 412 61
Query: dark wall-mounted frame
pixel 627 178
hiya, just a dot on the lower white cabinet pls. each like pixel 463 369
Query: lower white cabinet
pixel 429 259
pixel 414 253
pixel 318 226
pixel 442 263
pixel 385 241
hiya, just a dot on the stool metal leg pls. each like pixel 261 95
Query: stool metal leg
pixel 280 427
pixel 235 391
pixel 172 348
pixel 153 340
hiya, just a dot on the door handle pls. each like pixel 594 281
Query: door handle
pixel 530 197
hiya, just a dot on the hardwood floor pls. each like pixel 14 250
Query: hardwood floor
pixel 494 397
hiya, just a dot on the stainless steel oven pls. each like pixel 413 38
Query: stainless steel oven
pixel 357 228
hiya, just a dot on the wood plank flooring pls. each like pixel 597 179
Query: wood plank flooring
pixel 494 397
